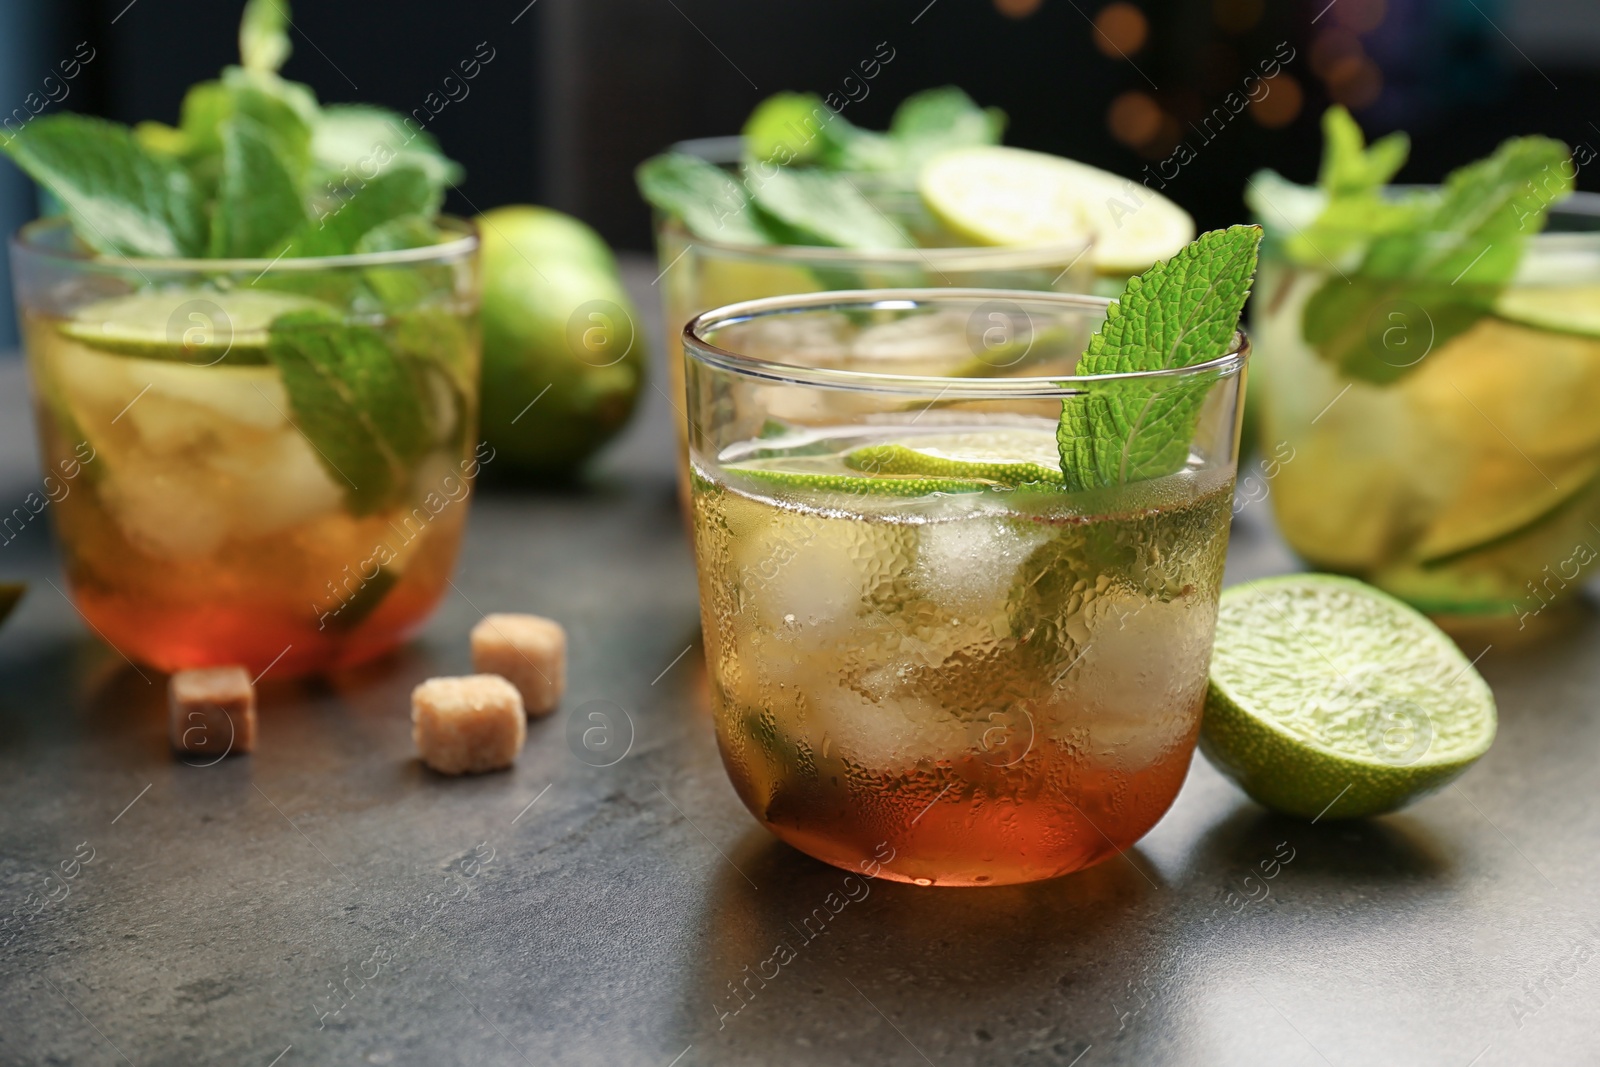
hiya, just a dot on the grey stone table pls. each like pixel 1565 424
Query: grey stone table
pixel 327 901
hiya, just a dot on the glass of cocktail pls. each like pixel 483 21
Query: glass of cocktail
pixel 1456 466
pixel 929 658
pixel 700 273
pixel 258 462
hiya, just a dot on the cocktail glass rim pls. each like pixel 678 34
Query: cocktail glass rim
pixel 28 238
pixel 725 150
pixel 697 346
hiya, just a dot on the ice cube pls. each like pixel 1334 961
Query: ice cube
pixel 1138 681
pixel 273 484
pixel 170 510
pixel 968 566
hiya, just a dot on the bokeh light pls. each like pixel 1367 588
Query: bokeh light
pixel 1360 16
pixel 1134 119
pixel 1017 9
pixel 1332 47
pixel 1356 82
pixel 1281 103
pixel 1121 29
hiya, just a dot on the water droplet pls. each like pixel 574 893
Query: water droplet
pixel 923 881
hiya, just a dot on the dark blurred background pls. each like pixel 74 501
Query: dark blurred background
pixel 579 91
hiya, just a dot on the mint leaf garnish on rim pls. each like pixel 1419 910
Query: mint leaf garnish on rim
pixel 1176 314
pixel 1450 261
pixel 256 167
pixel 1350 204
pixel 258 205
pixel 703 196
pixel 806 206
pixel 123 199
pixel 798 154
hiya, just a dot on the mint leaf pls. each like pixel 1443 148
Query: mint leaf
pixel 352 139
pixel 1349 166
pixel 1448 264
pixel 340 223
pixel 1176 314
pixel 122 197
pixel 264 35
pixel 357 403
pixel 404 285
pixel 815 207
pixel 1351 204
pixel 701 195
pixel 258 202
pixel 937 120
pixel 284 110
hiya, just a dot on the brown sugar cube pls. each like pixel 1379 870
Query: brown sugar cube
pixel 212 711
pixel 528 651
pixel 467 725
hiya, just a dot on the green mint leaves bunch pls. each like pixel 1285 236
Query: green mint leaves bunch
pixel 804 169
pixel 256 168
pixel 1177 314
pixel 1439 256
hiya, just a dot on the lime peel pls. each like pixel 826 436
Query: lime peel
pixel 186 325
pixel 1011 196
pixel 863 485
pixel 1561 308
pixel 1331 699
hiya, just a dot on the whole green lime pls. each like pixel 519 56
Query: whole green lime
pixel 563 351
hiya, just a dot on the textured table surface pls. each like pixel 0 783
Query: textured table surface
pixel 327 901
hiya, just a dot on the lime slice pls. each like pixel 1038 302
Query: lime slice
pixel 188 325
pixel 1563 308
pixel 823 481
pixel 1010 196
pixel 1330 699
pixel 931 463
pixel 1003 458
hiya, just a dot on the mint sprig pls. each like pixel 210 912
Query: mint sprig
pixel 799 156
pixel 254 168
pixel 806 206
pixel 258 204
pixel 1449 261
pixel 122 198
pixel 1176 314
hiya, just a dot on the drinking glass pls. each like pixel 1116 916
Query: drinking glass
pixel 698 273
pixel 938 678
pixel 1465 478
pixel 257 463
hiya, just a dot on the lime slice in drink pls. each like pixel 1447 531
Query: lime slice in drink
pixel 189 325
pixel 920 465
pixel 1330 699
pixel 1009 196
pixel 1001 457
pixel 1563 308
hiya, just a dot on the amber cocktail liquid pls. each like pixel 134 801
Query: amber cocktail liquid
pixel 1001 690
pixel 947 680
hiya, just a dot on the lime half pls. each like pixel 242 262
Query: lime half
pixel 1563 308
pixel 189 325
pixel 1330 699
pixel 1010 196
